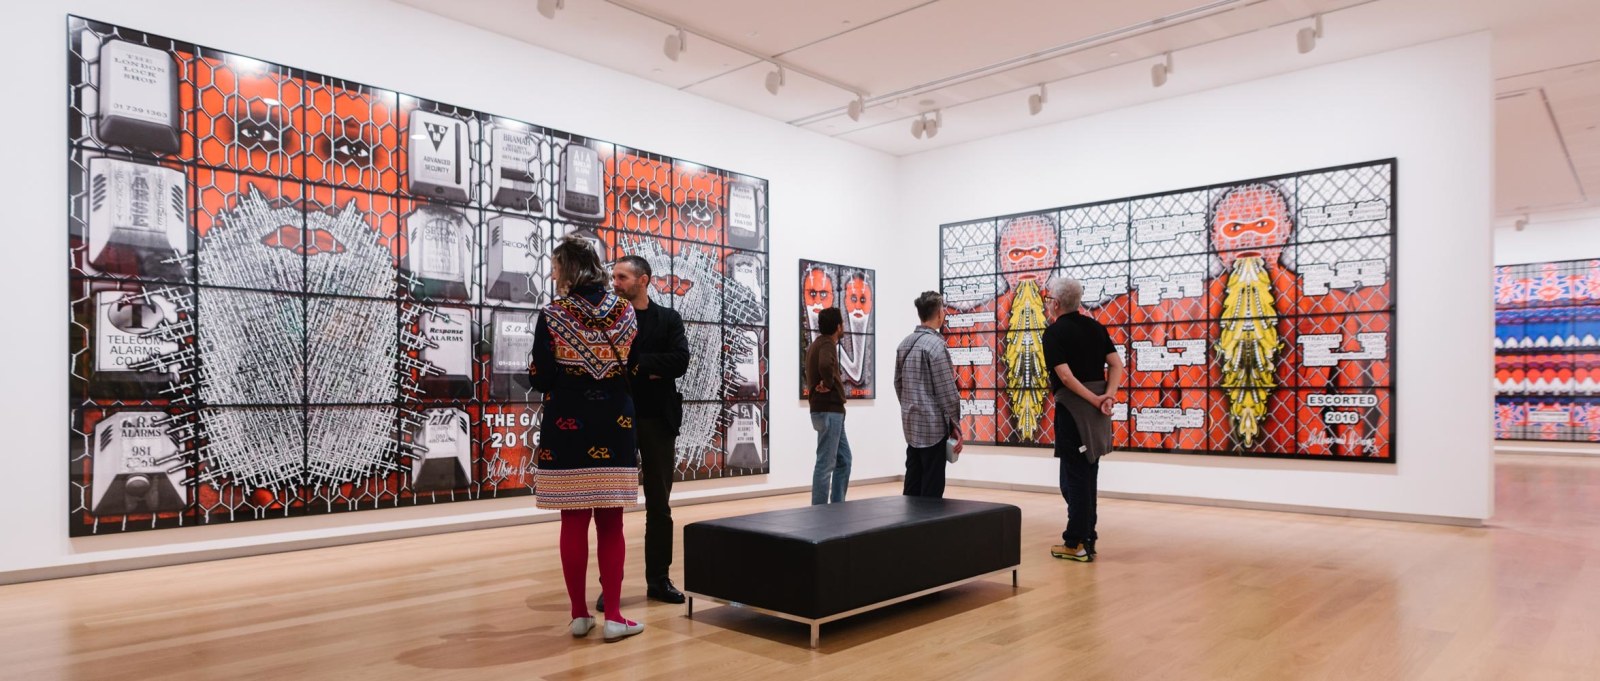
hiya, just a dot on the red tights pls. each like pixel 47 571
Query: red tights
pixel 575 558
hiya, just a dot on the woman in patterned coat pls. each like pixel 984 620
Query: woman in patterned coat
pixel 587 465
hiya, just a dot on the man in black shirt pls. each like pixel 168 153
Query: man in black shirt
pixel 1078 352
pixel 660 356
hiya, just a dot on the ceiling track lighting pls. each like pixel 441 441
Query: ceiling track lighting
pixel 776 79
pixel 1160 72
pixel 856 107
pixel 1306 39
pixel 1037 100
pixel 676 45
pixel 927 127
pixel 548 7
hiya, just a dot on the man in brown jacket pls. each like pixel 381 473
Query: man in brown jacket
pixel 832 474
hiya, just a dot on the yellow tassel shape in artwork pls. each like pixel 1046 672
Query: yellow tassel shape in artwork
pixel 1027 385
pixel 1248 347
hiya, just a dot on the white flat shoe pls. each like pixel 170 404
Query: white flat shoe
pixel 616 631
pixel 581 626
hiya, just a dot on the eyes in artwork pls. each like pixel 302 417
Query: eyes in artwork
pixel 1238 228
pixel 697 213
pixel 351 151
pixel 646 204
pixel 260 134
pixel 349 145
pixel 1021 254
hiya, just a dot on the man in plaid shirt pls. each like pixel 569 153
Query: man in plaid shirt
pixel 930 407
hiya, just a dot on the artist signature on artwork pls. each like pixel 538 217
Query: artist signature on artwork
pixel 500 469
pixel 1366 444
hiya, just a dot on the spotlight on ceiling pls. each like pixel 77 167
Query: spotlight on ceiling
pixel 548 7
pixel 775 80
pixel 1159 72
pixel 677 44
pixel 1306 39
pixel 926 126
pixel 1521 223
pixel 858 105
pixel 1036 101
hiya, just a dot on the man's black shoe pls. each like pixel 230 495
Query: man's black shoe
pixel 600 605
pixel 665 592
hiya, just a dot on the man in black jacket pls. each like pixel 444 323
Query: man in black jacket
pixel 659 357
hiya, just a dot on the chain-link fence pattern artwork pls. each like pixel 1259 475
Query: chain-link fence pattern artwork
pixel 1254 318
pixel 294 294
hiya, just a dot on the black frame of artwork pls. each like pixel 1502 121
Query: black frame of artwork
pixel 1389 313
pixel 318 164
pixel 869 386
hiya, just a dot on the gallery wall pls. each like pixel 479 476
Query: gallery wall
pixel 1548 237
pixel 1427 106
pixel 396 47
pixel 851 205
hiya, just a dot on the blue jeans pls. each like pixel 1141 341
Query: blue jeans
pixel 833 458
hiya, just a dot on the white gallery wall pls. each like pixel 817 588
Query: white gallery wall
pixel 1429 106
pixel 1548 237
pixel 830 201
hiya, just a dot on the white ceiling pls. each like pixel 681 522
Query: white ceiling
pixel 978 61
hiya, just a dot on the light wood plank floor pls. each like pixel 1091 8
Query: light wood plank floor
pixel 1180 593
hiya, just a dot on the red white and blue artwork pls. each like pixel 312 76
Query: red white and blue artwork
pixel 1547 351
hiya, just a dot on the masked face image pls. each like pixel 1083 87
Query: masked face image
pixel 858 303
pixel 816 289
pixel 1251 221
pixel 1029 249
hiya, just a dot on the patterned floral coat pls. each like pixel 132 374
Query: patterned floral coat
pixel 586 456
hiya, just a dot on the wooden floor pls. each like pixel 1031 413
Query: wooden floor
pixel 1180 592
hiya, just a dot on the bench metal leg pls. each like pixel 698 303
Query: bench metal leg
pixel 816 623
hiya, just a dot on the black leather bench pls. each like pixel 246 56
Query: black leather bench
pixel 821 563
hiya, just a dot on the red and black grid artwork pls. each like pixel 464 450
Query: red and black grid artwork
pixel 295 294
pixel 1255 318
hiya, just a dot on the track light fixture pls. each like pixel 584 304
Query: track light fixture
pixel 927 127
pixel 548 7
pixel 1306 39
pixel 677 44
pixel 1036 101
pixel 1159 72
pixel 857 105
pixel 775 80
